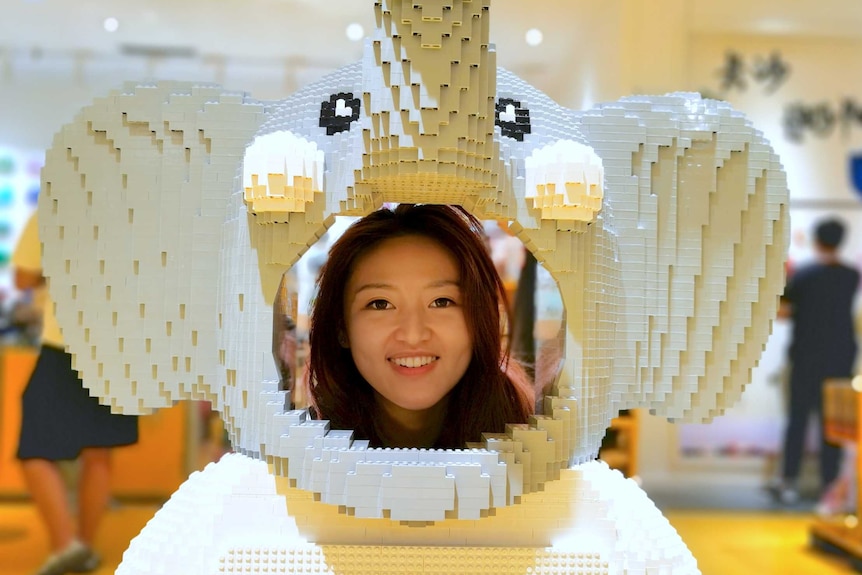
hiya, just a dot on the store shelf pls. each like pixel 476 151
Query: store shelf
pixel 834 536
pixel 841 416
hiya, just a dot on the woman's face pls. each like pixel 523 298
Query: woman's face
pixel 405 322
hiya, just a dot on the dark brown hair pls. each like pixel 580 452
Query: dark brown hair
pixel 493 390
pixel 829 233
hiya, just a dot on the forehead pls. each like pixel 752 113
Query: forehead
pixel 405 256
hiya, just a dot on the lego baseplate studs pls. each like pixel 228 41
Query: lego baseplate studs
pixel 170 212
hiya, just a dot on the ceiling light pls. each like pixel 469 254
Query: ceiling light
pixel 111 24
pixel 355 32
pixel 534 37
pixel 775 26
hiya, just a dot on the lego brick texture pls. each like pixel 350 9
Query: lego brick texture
pixel 169 212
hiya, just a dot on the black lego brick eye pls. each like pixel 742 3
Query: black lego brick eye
pixel 337 113
pixel 513 119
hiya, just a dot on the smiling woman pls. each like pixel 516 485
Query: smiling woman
pixel 405 337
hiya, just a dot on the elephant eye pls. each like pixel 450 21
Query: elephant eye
pixel 513 119
pixel 338 112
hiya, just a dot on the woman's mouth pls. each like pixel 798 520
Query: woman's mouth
pixel 414 361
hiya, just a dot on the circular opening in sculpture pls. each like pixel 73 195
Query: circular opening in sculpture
pixel 534 333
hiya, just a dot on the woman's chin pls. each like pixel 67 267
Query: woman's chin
pixel 417 406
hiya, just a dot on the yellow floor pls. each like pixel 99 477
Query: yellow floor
pixel 24 543
pixel 724 543
pixel 753 543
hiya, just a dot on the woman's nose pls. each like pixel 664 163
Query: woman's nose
pixel 413 326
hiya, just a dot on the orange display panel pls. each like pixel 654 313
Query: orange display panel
pixel 16 364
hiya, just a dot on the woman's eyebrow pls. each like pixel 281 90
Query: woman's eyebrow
pixel 444 283
pixel 369 286
pixel 434 284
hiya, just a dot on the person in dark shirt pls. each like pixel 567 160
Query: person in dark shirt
pixel 819 298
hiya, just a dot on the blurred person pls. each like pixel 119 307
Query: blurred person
pixel 6 326
pixel 284 339
pixel 61 421
pixel 507 252
pixel 524 316
pixel 819 299
pixel 26 320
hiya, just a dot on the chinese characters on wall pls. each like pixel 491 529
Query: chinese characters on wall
pixel 821 119
pixel 768 72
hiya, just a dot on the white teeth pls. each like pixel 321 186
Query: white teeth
pixel 413 361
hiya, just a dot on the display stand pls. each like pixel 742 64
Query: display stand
pixel 620 445
pixel 9 535
pixel 841 414
pixel 16 364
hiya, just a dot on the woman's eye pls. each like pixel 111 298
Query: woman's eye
pixel 378 304
pixel 442 302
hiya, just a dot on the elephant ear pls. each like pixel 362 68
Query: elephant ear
pixel 698 201
pixel 134 195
